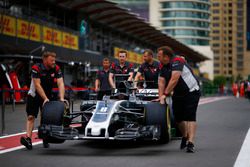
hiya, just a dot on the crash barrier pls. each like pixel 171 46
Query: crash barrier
pixel 68 92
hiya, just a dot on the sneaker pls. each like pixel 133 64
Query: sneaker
pixel 190 147
pixel 183 143
pixel 45 144
pixel 26 142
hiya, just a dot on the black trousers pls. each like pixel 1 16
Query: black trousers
pixel 101 93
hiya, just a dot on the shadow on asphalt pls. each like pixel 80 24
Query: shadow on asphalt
pixel 107 148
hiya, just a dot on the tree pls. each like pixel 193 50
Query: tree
pixel 220 80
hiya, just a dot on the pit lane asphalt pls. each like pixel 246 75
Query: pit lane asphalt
pixel 222 126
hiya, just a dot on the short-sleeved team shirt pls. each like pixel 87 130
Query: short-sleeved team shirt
pixel 48 77
pixel 103 76
pixel 187 82
pixel 150 73
pixel 117 69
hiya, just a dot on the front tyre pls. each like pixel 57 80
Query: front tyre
pixel 157 114
pixel 52 114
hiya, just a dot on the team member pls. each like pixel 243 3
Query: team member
pixel 149 69
pixel 102 85
pixel 122 67
pixel 43 77
pixel 177 76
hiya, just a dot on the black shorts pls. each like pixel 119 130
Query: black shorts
pixel 33 105
pixel 184 108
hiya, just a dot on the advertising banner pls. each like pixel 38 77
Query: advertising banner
pixel 57 37
pixel 70 41
pixel 35 32
pixel 22 29
pixel 8 25
pixel 47 35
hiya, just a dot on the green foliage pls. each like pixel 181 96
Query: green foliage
pixel 220 80
pixel 239 78
pixel 208 88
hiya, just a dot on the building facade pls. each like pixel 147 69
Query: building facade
pixel 188 21
pixel 229 38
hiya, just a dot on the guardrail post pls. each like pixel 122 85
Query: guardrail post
pixel 3 113
pixel 14 103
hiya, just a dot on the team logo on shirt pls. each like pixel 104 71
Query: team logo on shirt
pixel 175 64
pixel 52 75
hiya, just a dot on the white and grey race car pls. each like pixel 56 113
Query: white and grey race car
pixel 128 115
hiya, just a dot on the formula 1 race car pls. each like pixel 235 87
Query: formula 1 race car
pixel 128 115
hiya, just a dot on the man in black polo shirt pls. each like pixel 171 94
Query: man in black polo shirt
pixel 177 76
pixel 149 69
pixel 102 85
pixel 122 67
pixel 44 75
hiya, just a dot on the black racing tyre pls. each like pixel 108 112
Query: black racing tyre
pixel 157 114
pixel 52 114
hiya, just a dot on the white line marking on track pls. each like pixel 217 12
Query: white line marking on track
pixel 18 148
pixel 16 134
pixel 243 159
pixel 210 100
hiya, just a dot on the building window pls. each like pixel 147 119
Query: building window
pixel 216 58
pixel 216 45
pixel 239 64
pixel 216 4
pixel 239 34
pixel 230 65
pixel 240 42
pixel 216 18
pixel 216 31
pixel 216 71
pixel 188 5
pixel 186 14
pixel 240 5
pixel 216 25
pixel 185 23
pixel 230 72
pixel 216 38
pixel 216 51
pixel 239 20
pixel 216 11
pixel 240 13
pixel 216 65
pixel 239 56
pixel 240 27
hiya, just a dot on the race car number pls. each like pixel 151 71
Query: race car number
pixel 104 109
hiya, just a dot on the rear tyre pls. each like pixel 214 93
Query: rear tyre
pixel 52 114
pixel 157 114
